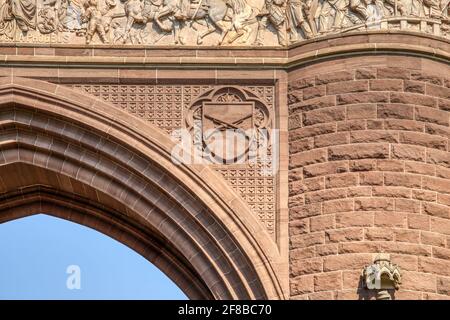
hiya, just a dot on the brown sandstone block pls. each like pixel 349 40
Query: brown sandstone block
pixel 418 221
pixel 307 240
pixel 302 285
pixel 408 152
pixel 390 219
pixel 402 179
pixel 443 285
pixel 320 223
pixel 362 97
pixel 343 235
pixel 328 281
pixel 436 210
pixel 420 76
pixel 413 98
pixel 423 139
pixel 325 168
pixel 354 219
pixel 334 77
pixel 438 91
pixel 347 87
pixel 360 151
pixel 396 111
pixel 323 115
pixel 393 73
pixel 433 239
pixel 346 262
pixel 403 235
pixel 308 157
pixel 418 281
pixel 371 178
pixel 314 92
pixel 414 86
pixel 432 115
pixel 362 111
pixel 386 85
pixel 341 180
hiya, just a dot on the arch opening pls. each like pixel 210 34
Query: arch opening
pixel 44 257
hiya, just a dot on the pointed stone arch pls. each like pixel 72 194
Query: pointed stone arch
pixel 85 160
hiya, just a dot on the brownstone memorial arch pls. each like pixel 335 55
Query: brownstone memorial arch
pixel 353 98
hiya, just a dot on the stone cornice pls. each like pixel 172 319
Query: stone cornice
pixel 335 46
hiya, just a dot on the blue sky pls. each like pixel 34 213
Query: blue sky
pixel 36 251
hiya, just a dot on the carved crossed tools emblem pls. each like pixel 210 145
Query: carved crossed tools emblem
pixel 227 129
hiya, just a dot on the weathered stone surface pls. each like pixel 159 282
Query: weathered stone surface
pixel 385 182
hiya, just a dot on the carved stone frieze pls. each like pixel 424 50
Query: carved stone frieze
pixel 247 110
pixel 211 22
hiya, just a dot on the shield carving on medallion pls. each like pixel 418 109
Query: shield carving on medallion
pixel 229 122
pixel 227 130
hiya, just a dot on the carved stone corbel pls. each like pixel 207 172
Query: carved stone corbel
pixel 382 276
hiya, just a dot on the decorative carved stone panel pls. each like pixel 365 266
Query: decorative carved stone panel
pixel 245 109
pixel 242 116
pixel 160 105
pixel 211 22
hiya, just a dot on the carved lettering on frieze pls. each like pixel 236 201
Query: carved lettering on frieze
pixel 211 22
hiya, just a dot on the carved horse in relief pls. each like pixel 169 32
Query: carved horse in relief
pixel 211 13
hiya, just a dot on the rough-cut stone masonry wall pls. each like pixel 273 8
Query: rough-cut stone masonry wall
pixel 369 172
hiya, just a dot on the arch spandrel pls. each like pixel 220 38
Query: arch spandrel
pixel 224 222
pixel 80 82
pixel 237 23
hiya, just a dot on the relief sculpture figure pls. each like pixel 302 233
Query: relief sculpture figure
pixel 136 12
pixel 242 18
pixel 359 7
pixel 177 11
pixel 209 12
pixel 69 13
pixel 435 8
pixel 393 7
pixel 47 17
pixel 97 20
pixel 212 22
pixel 325 19
pixel 299 16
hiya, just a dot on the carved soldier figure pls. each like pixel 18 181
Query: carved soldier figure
pixel 298 14
pixel 445 5
pixel 325 13
pixel 96 21
pixel 240 28
pixel 47 18
pixel 434 8
pixel 184 7
pixel 150 8
pixel 360 8
pixel 273 12
pixel 392 4
pixel 69 14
